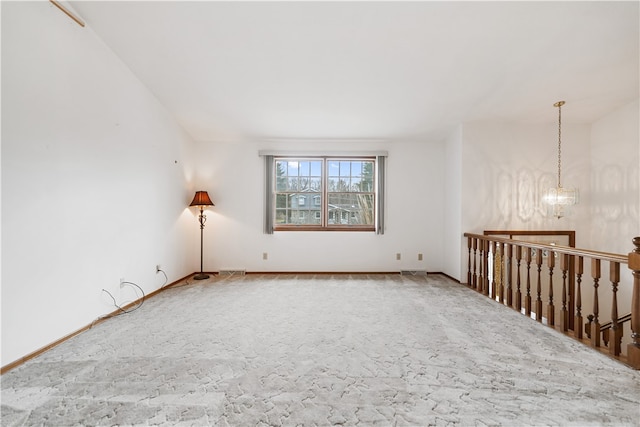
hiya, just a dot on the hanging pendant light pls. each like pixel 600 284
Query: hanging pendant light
pixel 559 199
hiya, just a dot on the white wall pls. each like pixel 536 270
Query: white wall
pixel 615 193
pixel 615 180
pixel 233 172
pixel 95 181
pixel 453 239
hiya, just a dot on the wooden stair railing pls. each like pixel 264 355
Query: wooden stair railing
pixel 633 349
pixel 490 272
pixel 609 328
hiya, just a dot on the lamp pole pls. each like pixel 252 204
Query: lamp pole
pixel 201 199
pixel 202 218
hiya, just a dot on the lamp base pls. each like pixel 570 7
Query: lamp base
pixel 201 276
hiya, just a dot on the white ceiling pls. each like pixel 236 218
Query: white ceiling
pixel 373 70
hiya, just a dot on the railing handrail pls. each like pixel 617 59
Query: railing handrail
pixel 621 320
pixel 605 256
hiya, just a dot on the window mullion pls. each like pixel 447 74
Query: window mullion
pixel 325 197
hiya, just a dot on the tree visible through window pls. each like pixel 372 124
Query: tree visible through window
pixel 324 193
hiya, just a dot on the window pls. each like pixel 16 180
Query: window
pixel 323 193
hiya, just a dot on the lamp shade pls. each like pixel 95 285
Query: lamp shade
pixel 201 199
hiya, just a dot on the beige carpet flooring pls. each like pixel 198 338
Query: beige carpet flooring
pixel 321 350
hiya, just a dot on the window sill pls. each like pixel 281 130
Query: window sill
pixel 328 228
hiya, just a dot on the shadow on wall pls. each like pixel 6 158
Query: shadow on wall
pixel 615 212
pixel 520 200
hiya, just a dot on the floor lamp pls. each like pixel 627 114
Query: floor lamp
pixel 201 199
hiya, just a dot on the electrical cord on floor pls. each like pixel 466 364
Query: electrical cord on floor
pixel 166 279
pixel 106 316
pixel 122 310
pixel 186 283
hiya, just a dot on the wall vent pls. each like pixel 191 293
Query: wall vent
pixel 413 273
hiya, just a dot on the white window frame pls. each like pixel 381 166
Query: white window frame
pixel 379 159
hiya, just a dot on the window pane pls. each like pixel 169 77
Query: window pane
pixel 366 185
pixel 316 168
pixel 338 184
pixel 281 168
pixel 332 184
pixel 303 184
pixel 315 184
pixel 281 175
pixel 303 170
pixel 345 169
pixel 356 168
pixel 281 201
pixel 292 168
pixel 281 216
pixel 367 176
pixel 356 184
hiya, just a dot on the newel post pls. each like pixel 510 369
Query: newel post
pixel 633 349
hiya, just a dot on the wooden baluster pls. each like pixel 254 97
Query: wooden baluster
pixel 551 309
pixel 587 327
pixel 493 276
pixel 564 315
pixel 577 324
pixel 481 267
pixel 595 326
pixel 518 293
pixel 500 273
pixel 616 329
pixel 475 277
pixel 605 337
pixel 571 292
pixel 633 349
pixel 487 280
pixel 539 285
pixel 508 275
pixel 527 298
pixel 469 262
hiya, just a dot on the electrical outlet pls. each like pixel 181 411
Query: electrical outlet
pixel 122 282
pixel 398 256
pixel 419 257
pixel 158 268
pixel 265 255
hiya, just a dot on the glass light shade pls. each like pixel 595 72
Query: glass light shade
pixel 559 200
pixel 201 198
